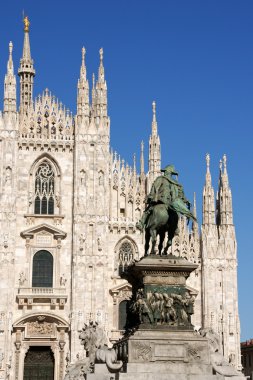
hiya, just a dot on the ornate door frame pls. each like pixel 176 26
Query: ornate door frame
pixel 40 329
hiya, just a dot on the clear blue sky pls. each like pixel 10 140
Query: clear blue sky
pixel 194 57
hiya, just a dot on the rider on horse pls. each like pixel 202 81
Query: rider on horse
pixel 166 190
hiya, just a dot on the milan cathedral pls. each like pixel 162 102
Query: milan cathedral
pixel 68 211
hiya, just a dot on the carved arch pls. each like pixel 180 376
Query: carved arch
pixel 21 321
pixel 51 159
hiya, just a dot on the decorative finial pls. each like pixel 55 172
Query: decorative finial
pixel 154 123
pixel 10 63
pixel 93 80
pixel 142 157
pixel 101 52
pixel 194 205
pixel 26 24
pixel 220 165
pixel 154 108
pixel 208 161
pixel 83 54
pixel 225 162
pixel 10 47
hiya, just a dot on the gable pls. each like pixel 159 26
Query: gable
pixel 43 230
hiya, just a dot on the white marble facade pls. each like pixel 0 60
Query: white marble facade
pixel 66 195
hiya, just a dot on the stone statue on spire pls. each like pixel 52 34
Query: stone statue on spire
pixel 101 52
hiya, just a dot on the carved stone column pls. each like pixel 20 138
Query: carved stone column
pixel 17 353
pixel 62 353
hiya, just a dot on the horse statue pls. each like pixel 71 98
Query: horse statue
pixel 160 222
pixel 165 202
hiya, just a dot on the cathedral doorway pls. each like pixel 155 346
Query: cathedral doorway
pixel 41 346
pixel 39 364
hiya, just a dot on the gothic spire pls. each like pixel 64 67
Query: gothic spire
pixel 83 91
pixel 26 71
pixel 224 196
pixel 101 91
pixel 10 68
pixel 154 148
pixel 208 197
pixel 101 70
pixel 83 67
pixel 134 166
pixel 154 122
pixel 142 159
pixel 195 223
pixel 10 86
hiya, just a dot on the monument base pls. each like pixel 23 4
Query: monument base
pixel 168 355
pixel 163 344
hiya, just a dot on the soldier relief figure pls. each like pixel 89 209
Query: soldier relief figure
pixel 163 308
pixel 165 202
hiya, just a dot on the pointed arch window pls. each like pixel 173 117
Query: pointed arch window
pixel 126 255
pixel 44 189
pixel 42 275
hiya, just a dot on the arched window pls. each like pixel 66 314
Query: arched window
pixel 44 189
pixel 122 314
pixel 126 255
pixel 42 276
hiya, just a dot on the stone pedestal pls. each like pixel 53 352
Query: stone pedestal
pixel 161 300
pixel 162 344
pixel 163 352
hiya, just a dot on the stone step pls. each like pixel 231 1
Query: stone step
pixel 164 376
pixel 157 376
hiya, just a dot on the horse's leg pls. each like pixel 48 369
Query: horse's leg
pixel 147 238
pixel 160 247
pixel 168 244
pixel 153 239
pixel 172 226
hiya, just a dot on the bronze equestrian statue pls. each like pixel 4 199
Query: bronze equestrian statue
pixel 165 202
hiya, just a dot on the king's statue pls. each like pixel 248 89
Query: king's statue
pixel 165 202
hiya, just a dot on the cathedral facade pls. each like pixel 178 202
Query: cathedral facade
pixel 68 212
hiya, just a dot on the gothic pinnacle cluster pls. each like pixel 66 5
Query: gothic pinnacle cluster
pixel 95 113
pixel 219 262
pixel 219 213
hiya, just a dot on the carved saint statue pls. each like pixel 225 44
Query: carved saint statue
pixel 22 278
